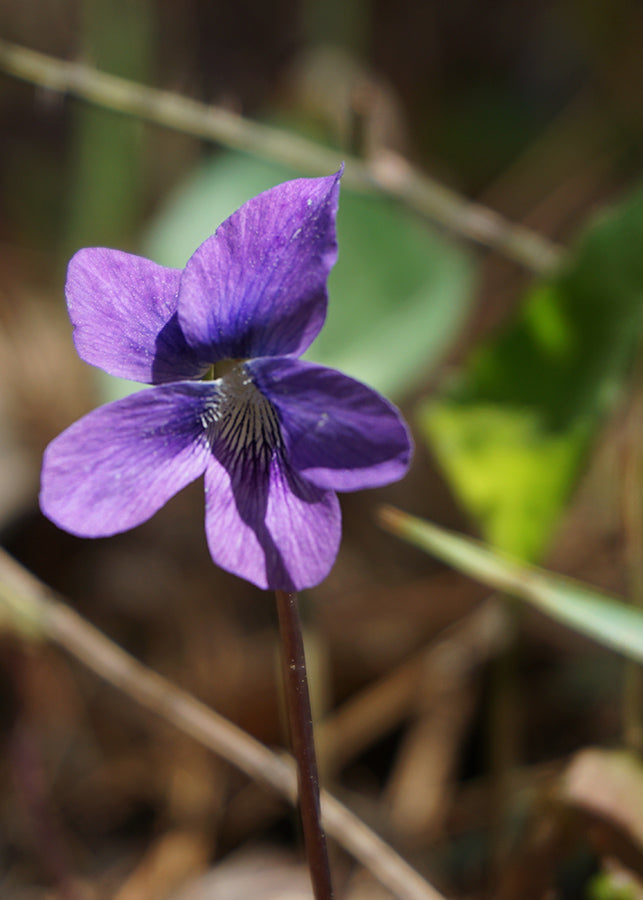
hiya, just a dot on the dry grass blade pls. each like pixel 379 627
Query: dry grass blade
pixel 381 707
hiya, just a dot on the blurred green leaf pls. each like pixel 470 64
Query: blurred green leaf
pixel 107 172
pixel 398 294
pixel 609 886
pixel 111 388
pixel 592 613
pixel 513 430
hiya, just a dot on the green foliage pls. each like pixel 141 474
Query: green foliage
pixel 597 615
pixel 606 886
pixel 397 295
pixel 511 433
pixel 107 171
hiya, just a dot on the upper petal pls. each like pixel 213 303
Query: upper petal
pixel 339 433
pixel 270 526
pixel 123 309
pixel 257 287
pixel 118 465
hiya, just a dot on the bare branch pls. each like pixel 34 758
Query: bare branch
pixel 387 173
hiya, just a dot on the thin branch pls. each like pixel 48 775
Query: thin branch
pixel 387 173
pixel 33 609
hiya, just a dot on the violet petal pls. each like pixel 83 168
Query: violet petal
pixel 257 287
pixel 270 526
pixel 123 308
pixel 119 464
pixel 339 433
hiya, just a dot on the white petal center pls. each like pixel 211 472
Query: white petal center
pixel 240 418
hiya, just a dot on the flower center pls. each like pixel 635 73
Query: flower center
pixel 240 419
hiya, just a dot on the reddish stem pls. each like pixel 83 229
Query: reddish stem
pixel 303 746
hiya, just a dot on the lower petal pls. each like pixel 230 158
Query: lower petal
pixel 118 465
pixel 270 526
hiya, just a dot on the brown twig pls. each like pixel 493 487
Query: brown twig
pixel 31 608
pixel 388 172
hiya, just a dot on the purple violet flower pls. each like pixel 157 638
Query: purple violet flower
pixel 274 435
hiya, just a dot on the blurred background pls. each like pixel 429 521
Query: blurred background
pixel 455 725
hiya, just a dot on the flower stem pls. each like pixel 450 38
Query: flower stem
pixel 632 516
pixel 303 746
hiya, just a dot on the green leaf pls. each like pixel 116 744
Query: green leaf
pixel 398 294
pixel 513 430
pixel 607 885
pixel 597 615
pixel 108 169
